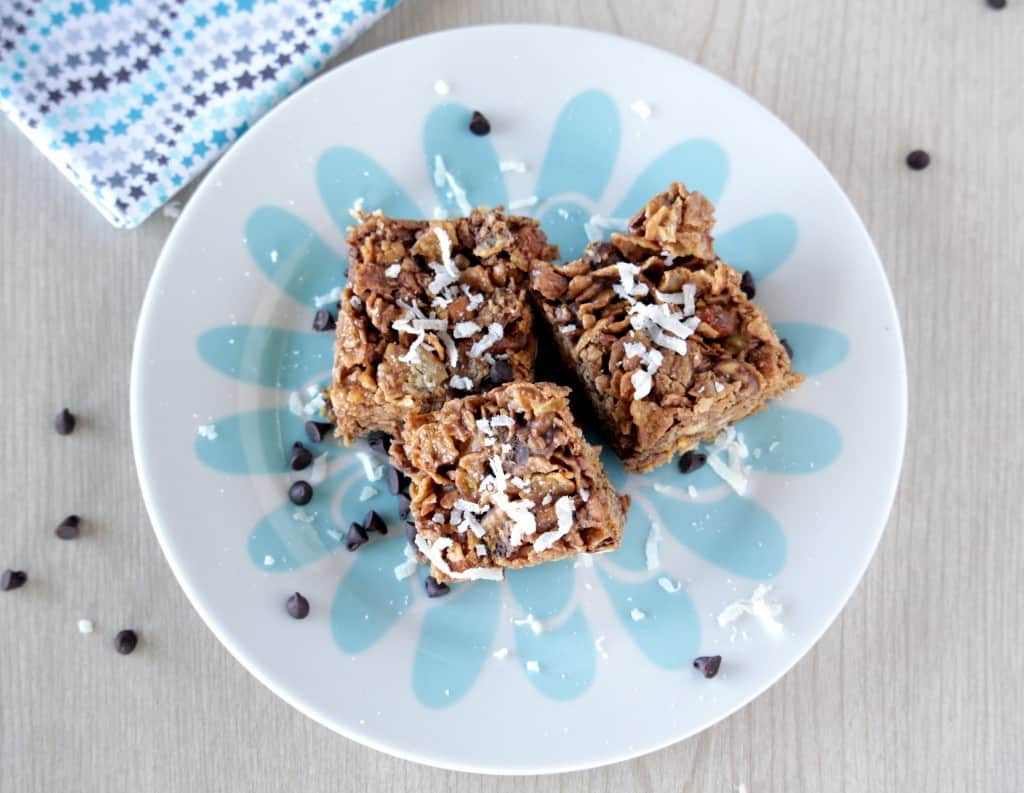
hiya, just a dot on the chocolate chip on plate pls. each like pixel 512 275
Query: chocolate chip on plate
pixel 356 537
pixel 434 588
pixel 64 423
pixel 787 347
pixel 707 665
pixel 68 529
pixel 998 5
pixel 12 579
pixel 374 522
pixel 126 641
pixel 301 457
pixel 298 606
pixel 404 505
pixel 379 442
pixel 747 285
pixel 300 493
pixel 691 461
pixel 918 160
pixel 323 320
pixel 410 531
pixel 316 431
pixel 478 124
pixel 397 481
pixel 501 372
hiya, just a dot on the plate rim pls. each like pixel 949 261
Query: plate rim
pixel 221 632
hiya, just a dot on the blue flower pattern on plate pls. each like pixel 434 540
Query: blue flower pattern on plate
pixel 458 632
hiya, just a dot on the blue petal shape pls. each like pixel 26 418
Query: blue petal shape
pixel 256 442
pixel 760 245
pixel 345 175
pixel 805 443
pixel 458 632
pixel 267 356
pixel 582 149
pixel 700 164
pixel 282 541
pixel 545 590
pixel 292 255
pixel 563 223
pixel 469 158
pixel 816 349
pixel 669 633
pixel 733 533
pixel 370 599
pixel 565 655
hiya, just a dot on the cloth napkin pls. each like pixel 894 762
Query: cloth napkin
pixel 132 99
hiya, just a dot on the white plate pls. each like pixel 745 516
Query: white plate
pixel 376 660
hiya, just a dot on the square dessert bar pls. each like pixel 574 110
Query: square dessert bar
pixel 505 479
pixel 433 310
pixel 659 331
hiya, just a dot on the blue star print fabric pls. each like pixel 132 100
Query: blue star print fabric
pixel 132 99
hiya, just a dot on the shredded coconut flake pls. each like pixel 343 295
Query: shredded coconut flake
pixel 268 560
pixel 208 431
pixel 642 382
pixel 766 613
pixel 637 615
pixel 584 495
pixel 408 567
pixel 641 109
pixel 532 666
pixel 568 328
pixel 692 492
pixel 652 555
pixel 532 623
pixel 598 225
pixel 315 405
pixel 669 585
pixel 501 653
pixel 331 297
pixel 461 383
pixel 295 403
pixel 463 330
pixel 512 166
pixel 371 468
pixel 441 88
pixel 481 549
pixel 564 514
pixel 495 333
pixel 442 177
pixel 392 270
pixel 501 420
pixel 85 626
pixel 435 553
pixel 599 646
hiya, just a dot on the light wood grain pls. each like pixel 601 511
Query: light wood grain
pixel 918 686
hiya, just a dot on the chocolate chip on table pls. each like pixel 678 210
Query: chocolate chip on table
pixel 12 579
pixel 356 537
pixel 747 285
pixel 501 372
pixel 298 606
pixel 64 423
pixel 374 522
pixel 301 457
pixel 434 588
pixel 787 347
pixel 323 320
pixel 379 442
pixel 707 665
pixel 397 481
pixel 918 160
pixel 316 431
pixel 126 641
pixel 478 124
pixel 691 461
pixel 404 505
pixel 300 493
pixel 69 529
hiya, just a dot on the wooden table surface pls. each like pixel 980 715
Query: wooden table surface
pixel 919 686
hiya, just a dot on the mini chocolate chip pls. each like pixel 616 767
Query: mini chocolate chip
pixel 300 493
pixel 410 531
pixel 747 285
pixel 707 665
pixel 478 124
pixel 998 5
pixel 126 641
pixel 64 423
pixel 501 372
pixel 323 320
pixel 404 505
pixel 68 528
pixel 397 482
pixel 374 522
pixel 918 160
pixel 301 457
pixel 691 461
pixel 298 606
pixel 12 579
pixel 356 537
pixel 316 431
pixel 379 442
pixel 786 346
pixel 435 589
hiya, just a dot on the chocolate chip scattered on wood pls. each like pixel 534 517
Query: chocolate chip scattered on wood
pixel 316 431
pixel 478 124
pixel 356 537
pixel 707 665
pixel 64 423
pixel 298 607
pixel 300 493
pixel 747 285
pixel 69 528
pixel 434 588
pixel 374 522
pixel 323 320
pixel 126 641
pixel 12 579
pixel 691 461
pixel 918 160
pixel 301 457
